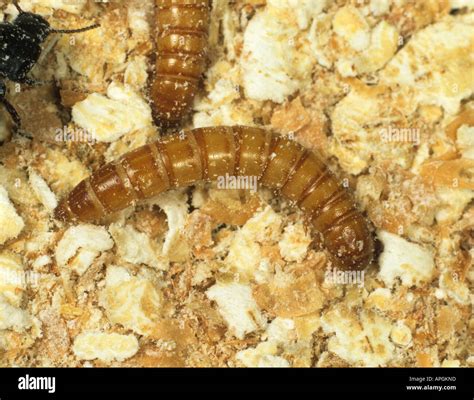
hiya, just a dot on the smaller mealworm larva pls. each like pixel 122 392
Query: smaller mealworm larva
pixel 205 154
pixel 181 43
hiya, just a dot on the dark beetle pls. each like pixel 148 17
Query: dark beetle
pixel 20 49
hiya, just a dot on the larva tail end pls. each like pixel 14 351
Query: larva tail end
pixel 165 123
pixel 62 212
pixel 355 263
pixel 354 258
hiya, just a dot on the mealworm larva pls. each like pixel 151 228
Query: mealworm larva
pixel 181 41
pixel 205 154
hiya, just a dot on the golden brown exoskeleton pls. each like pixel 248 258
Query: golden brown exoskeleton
pixel 181 41
pixel 205 154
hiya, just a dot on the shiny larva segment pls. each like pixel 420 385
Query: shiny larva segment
pixel 207 153
pixel 181 43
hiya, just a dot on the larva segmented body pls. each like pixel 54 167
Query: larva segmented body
pixel 208 153
pixel 181 41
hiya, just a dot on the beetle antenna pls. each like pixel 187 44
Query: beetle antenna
pixel 87 28
pixel 15 3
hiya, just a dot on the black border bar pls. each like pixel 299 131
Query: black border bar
pixel 129 381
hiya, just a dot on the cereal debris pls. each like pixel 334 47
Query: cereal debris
pixel 105 346
pixel 294 243
pixel 12 224
pixel 42 191
pixel 81 245
pixel 238 308
pixel 136 247
pixel 131 301
pixel 109 118
pixel 12 278
pixel 410 262
pixel 363 341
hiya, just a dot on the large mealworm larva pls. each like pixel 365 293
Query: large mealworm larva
pixel 181 41
pixel 208 153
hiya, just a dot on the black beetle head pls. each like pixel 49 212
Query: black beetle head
pixel 35 25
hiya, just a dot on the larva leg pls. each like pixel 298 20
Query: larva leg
pixel 205 154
